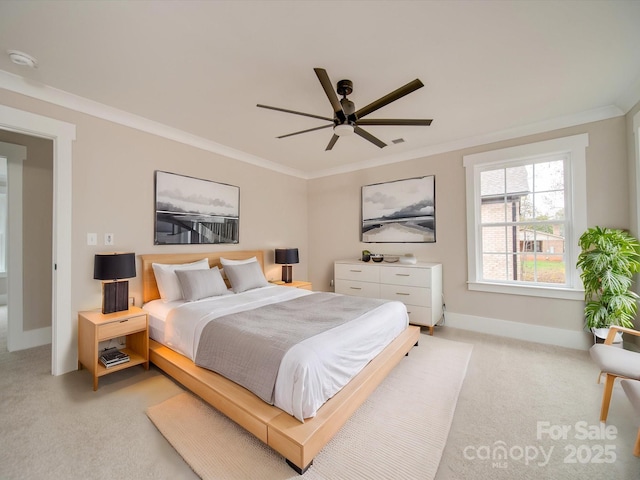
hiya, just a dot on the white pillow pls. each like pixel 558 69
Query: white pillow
pixel 197 284
pixel 227 261
pixel 245 276
pixel 168 284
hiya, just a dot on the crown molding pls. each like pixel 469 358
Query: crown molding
pixel 40 91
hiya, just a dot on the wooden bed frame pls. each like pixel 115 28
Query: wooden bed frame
pixel 297 442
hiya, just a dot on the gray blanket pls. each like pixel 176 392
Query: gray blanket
pixel 247 347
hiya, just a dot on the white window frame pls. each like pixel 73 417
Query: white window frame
pixel 574 147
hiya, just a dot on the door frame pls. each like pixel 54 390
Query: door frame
pixel 64 354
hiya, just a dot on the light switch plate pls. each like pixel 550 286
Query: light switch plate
pixel 92 238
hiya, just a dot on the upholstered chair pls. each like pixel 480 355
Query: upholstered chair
pixel 614 362
pixel 632 389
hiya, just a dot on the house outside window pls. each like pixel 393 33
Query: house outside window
pixel 525 212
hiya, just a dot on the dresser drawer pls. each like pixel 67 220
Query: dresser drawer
pixel 417 277
pixel 406 294
pixel 358 289
pixel 419 315
pixel 122 327
pixel 361 273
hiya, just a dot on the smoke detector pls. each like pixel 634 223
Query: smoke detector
pixel 22 59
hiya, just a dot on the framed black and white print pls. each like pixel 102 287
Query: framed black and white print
pixel 403 211
pixel 195 211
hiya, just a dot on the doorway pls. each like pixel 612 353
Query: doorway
pixel 26 239
pixel 64 355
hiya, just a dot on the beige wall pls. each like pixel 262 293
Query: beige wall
pixel 37 193
pixel 334 216
pixel 113 170
pixel 113 189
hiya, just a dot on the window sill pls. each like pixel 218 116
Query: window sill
pixel 531 291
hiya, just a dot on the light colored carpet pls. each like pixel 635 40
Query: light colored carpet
pixel 399 432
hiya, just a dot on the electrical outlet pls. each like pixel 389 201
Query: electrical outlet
pixel 92 238
pixel 108 239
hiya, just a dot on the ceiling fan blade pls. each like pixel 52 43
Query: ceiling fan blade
pixel 391 97
pixel 394 121
pixel 367 136
pixel 323 76
pixel 332 142
pixel 295 113
pixel 305 131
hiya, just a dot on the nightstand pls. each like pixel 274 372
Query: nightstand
pixel 95 327
pixel 298 284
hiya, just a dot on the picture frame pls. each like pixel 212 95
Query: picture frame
pixel 191 211
pixel 400 211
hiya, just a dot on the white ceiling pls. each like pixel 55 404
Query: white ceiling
pixel 491 69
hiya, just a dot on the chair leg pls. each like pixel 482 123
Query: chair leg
pixel 599 378
pixel 636 448
pixel 606 397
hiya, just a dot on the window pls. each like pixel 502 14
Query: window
pixel 525 212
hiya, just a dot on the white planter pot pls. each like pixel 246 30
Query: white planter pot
pixel 600 335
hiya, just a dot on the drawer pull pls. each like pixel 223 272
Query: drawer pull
pixel 356 271
pixel 401 293
pixel 355 288
pixel 125 320
pixel 403 274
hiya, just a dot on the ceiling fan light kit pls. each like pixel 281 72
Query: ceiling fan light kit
pixel 343 130
pixel 346 119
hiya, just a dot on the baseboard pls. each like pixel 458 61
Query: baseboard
pixel 29 339
pixel 579 340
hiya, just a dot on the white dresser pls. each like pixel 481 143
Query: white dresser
pixel 418 286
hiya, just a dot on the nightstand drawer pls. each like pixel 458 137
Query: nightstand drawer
pixel 122 327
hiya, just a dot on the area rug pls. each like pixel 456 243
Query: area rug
pixel 399 432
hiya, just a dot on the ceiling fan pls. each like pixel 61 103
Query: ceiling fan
pixel 346 119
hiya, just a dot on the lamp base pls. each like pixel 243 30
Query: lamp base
pixel 287 273
pixel 115 296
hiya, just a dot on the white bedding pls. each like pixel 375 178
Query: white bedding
pixel 312 371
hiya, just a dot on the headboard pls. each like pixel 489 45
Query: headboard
pixel 149 286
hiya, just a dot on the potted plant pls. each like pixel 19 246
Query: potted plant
pixel 608 261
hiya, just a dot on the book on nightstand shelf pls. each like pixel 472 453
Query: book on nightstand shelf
pixel 112 357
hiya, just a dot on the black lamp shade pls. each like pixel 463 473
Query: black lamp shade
pixel 114 266
pixel 287 256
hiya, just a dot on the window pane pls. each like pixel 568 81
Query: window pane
pixel 492 183
pixel 543 268
pixel 494 239
pixel 518 179
pixel 492 212
pixel 549 206
pixel 494 267
pixel 526 207
pixel 549 176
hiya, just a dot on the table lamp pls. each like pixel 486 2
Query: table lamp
pixel 285 257
pixel 111 268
